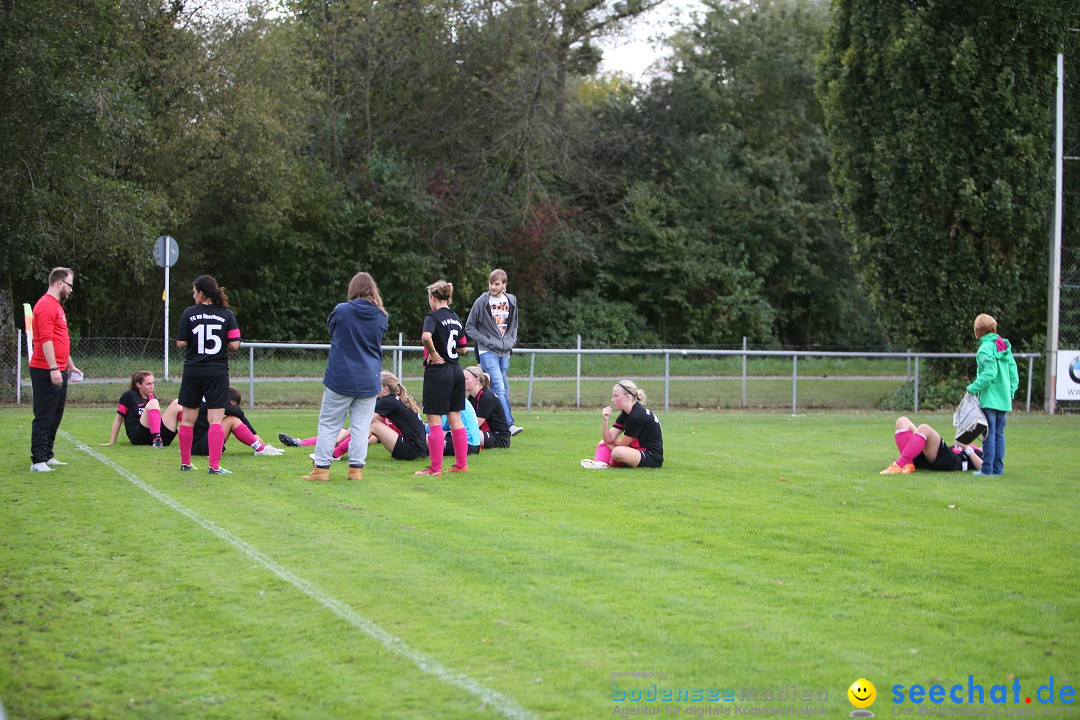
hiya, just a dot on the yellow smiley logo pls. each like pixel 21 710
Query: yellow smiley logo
pixel 862 693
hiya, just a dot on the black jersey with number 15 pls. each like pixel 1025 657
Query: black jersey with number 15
pixel 447 333
pixel 207 330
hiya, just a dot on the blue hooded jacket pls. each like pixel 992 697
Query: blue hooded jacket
pixel 355 363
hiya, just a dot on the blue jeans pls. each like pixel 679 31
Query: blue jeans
pixel 994 451
pixel 498 368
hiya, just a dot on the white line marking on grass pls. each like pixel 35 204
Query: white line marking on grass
pixel 396 645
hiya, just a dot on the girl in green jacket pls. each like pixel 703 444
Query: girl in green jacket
pixel 995 384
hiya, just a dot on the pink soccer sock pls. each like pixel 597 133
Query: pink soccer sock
pixel 460 438
pixel 185 433
pixel 342 447
pixel 902 437
pixel 153 420
pixel 914 446
pixel 435 447
pixel 603 453
pixel 215 440
pixel 309 441
pixel 244 435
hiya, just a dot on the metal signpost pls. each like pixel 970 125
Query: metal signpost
pixel 166 253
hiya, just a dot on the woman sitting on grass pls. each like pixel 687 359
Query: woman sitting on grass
pixel 922 448
pixel 635 439
pixel 140 414
pixel 490 415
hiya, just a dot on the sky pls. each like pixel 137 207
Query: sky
pixel 635 53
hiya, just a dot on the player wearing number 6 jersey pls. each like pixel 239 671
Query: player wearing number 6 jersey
pixel 444 382
pixel 208 330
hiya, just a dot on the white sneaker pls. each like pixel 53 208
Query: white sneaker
pixel 40 467
pixel 53 462
pixel 269 451
pixel 589 464
pixel 514 430
pixel 343 457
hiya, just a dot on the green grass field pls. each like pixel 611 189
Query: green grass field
pixel 766 553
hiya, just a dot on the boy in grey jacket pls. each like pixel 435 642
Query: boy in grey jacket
pixel 493 325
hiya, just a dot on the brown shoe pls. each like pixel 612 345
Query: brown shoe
pixel 318 474
pixel 355 474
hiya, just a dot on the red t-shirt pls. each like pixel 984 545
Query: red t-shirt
pixel 50 323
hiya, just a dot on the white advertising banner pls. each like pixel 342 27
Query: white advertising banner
pixel 1068 375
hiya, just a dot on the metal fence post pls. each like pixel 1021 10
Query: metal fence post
pixel 1031 370
pixel 744 372
pixel 667 380
pixel 532 374
pixel 579 372
pixel 794 384
pixel 400 355
pixel 18 367
pixel 251 378
pixel 916 383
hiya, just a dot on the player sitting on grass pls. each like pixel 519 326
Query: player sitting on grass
pixel 922 448
pixel 140 414
pixel 642 445
pixel 236 424
pixel 489 409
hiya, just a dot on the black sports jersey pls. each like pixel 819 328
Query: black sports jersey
pixel 488 406
pixel 949 459
pixel 207 330
pixel 644 426
pixel 202 423
pixel 398 416
pixel 130 407
pixel 447 333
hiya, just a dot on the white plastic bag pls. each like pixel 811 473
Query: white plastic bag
pixel 969 419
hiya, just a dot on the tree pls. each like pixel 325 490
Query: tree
pixel 939 116
pixel 70 124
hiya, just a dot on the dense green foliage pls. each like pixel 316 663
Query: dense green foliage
pixel 939 116
pixel 286 150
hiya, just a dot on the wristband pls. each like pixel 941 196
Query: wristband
pixel 53 368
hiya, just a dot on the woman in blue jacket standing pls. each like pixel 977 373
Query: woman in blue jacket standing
pixel 353 375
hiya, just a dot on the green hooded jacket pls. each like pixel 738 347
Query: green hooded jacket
pixel 996 381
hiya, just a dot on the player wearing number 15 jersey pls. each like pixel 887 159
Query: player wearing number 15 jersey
pixel 444 382
pixel 208 330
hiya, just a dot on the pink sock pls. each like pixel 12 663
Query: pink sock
pixel 215 439
pixel 245 436
pixel 914 446
pixel 603 453
pixel 342 447
pixel 153 420
pixel 460 437
pixel 309 441
pixel 902 437
pixel 184 433
pixel 435 447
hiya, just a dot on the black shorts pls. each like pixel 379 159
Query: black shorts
pixel 448 449
pixel 493 441
pixel 650 459
pixel 211 383
pixel 200 444
pixel 946 460
pixel 405 450
pixel 141 435
pixel 444 389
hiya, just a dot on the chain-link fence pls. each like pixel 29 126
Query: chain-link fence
pixel 732 376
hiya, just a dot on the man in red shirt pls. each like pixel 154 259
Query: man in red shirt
pixel 49 366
